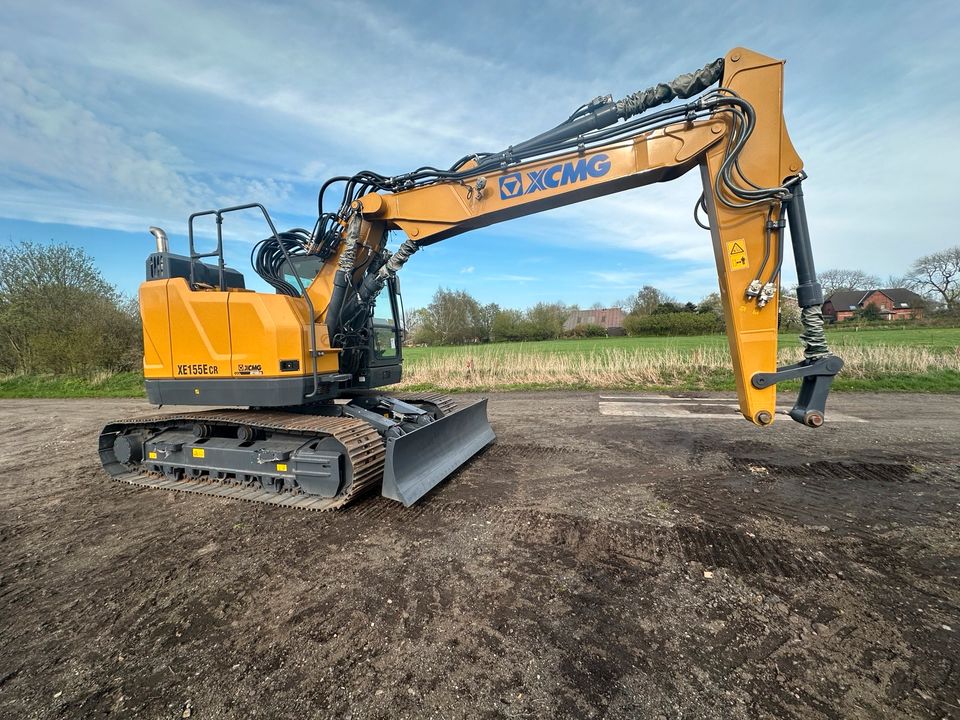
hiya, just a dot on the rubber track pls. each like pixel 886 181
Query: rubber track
pixel 364 446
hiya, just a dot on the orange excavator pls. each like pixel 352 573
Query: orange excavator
pixel 300 373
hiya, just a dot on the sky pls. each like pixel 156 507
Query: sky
pixel 115 116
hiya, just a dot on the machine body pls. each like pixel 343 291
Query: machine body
pixel 309 362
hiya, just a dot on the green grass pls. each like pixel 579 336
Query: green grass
pixel 879 359
pixel 932 338
pixel 119 385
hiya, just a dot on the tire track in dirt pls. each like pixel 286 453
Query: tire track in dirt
pixel 830 470
pixel 591 539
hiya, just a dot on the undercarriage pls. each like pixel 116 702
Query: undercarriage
pixel 313 457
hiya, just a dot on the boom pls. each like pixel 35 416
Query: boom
pixel 752 185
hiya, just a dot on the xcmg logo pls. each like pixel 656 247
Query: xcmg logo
pixel 514 185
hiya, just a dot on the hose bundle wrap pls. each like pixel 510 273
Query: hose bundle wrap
pixel 682 86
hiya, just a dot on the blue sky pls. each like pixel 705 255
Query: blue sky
pixel 119 115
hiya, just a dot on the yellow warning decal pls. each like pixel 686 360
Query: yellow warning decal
pixel 737 251
pixel 198 452
pixel 152 454
pixel 281 467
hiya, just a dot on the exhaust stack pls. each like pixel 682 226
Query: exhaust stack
pixel 163 245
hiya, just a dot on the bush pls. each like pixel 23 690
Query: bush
pixel 679 323
pixel 58 314
pixel 584 330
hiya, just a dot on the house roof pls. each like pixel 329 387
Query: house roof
pixel 613 317
pixel 846 299
pixel 902 297
pixel 843 300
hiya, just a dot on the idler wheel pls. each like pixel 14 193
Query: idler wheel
pixel 128 449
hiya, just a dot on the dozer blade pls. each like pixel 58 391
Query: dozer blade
pixel 418 461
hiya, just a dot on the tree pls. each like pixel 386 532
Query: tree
pixel 508 325
pixel 938 276
pixel 453 317
pixel 647 299
pixel 839 279
pixel 789 310
pixel 712 305
pixel 485 317
pixel 412 322
pixel 59 315
pixel 546 320
pixel 899 281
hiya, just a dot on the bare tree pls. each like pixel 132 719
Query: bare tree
pixel 841 279
pixel 412 322
pixel 900 281
pixel 938 276
pixel 789 311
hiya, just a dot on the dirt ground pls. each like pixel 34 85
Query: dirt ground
pixel 584 566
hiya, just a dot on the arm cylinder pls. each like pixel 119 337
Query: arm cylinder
pixel 809 292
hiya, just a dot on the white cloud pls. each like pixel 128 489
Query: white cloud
pixel 62 163
pixel 467 270
pixel 121 115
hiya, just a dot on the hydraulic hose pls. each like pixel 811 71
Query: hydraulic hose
pixel 341 279
pixel 682 86
pixel 600 114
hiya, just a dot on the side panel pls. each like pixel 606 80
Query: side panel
pixel 269 329
pixel 157 360
pixel 200 331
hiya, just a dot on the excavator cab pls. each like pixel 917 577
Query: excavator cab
pixel 388 329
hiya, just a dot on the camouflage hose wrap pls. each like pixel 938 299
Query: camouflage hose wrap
pixel 349 253
pixel 682 86
pixel 398 259
pixel 813 338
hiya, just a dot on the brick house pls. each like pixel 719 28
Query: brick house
pixel 609 318
pixel 891 304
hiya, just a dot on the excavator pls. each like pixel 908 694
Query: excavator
pixel 299 374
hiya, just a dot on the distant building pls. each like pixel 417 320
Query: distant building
pixel 609 318
pixel 891 304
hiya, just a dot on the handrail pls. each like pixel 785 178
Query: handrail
pixel 218 253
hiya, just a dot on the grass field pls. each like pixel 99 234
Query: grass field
pixel 876 360
pixel 916 359
pixel 931 338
